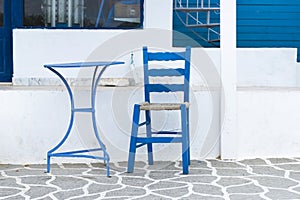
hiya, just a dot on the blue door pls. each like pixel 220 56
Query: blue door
pixel 6 68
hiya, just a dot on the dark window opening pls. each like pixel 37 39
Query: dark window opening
pixel 83 13
pixel 1 12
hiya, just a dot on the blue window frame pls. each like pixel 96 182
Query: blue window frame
pixel 83 13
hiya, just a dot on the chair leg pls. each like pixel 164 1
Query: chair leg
pixel 185 142
pixel 48 163
pixel 149 134
pixel 134 133
pixel 188 135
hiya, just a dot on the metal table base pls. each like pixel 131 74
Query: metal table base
pixel 96 78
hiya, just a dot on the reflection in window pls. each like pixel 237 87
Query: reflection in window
pixel 83 13
pixel 1 12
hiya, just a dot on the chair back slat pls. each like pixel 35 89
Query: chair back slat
pixel 166 72
pixel 166 56
pixel 164 87
pixel 184 71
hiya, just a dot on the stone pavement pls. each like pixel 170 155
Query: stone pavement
pixel 210 179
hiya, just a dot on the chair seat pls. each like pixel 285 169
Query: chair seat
pixel 162 106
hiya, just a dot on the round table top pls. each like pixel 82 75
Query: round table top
pixel 83 64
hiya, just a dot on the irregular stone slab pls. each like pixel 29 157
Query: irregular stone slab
pixel 163 165
pixel 77 165
pixel 66 183
pixel 224 181
pixel 97 188
pixel 116 198
pixel 297 189
pixel 159 175
pixel 294 167
pixel 200 171
pixel 196 179
pixel 101 179
pixel 281 194
pixel 245 196
pixel 165 185
pixel 10 182
pixel 115 168
pixel 18 197
pixel 224 164
pixel 8 191
pixel 281 160
pixel 135 181
pixel 42 166
pixel 295 175
pixel 126 192
pixel 46 198
pixel 256 161
pixel 176 192
pixel 100 165
pixel 40 180
pixel 60 171
pixel 250 188
pixel 137 164
pixel 137 172
pixel 199 164
pixel 91 197
pixel 198 197
pixel 267 170
pixel 39 191
pixel 153 197
pixel 68 194
pixel 8 167
pixel 100 172
pixel 123 164
pixel 26 172
pixel 274 182
pixel 207 189
pixel 232 172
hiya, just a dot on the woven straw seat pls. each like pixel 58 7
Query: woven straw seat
pixel 162 106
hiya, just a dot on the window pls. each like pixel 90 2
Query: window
pixel 1 12
pixel 83 13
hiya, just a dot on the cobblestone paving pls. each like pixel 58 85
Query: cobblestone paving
pixel 210 179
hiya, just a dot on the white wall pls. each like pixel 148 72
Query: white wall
pixel 268 122
pixel 34 119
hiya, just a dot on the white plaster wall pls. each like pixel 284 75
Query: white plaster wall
pixel 32 48
pixel 34 119
pixel 35 47
pixel 267 67
pixel 268 122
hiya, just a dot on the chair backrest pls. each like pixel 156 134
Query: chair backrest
pixel 183 71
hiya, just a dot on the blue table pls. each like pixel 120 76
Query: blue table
pixel 96 78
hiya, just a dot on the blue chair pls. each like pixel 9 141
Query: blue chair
pixel 162 136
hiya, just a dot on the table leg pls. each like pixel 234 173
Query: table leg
pixel 50 152
pixel 95 82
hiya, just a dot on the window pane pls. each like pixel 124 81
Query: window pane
pixel 83 13
pixel 1 12
pixel 33 15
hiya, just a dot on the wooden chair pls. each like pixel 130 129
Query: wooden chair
pixel 162 136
